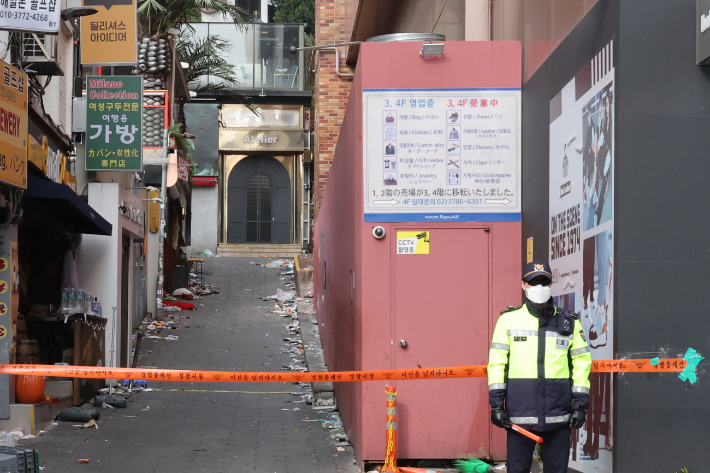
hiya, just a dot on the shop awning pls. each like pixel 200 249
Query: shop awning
pixel 64 203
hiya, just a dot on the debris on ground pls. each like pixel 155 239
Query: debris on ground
pixel 184 293
pixel 91 423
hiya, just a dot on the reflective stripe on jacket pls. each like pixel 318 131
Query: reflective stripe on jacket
pixel 538 368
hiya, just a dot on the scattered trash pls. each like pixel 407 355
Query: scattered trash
pixel 184 293
pixel 91 423
pixel 147 408
pixel 209 252
pixel 110 401
pixel 340 449
pixel 282 296
pixel 77 414
pixel 83 460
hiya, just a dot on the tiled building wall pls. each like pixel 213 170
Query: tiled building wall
pixel 334 23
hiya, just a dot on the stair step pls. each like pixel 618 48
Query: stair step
pixel 258 250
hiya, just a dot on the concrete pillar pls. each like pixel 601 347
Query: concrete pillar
pixel 477 20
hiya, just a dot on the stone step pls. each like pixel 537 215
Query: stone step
pixel 258 250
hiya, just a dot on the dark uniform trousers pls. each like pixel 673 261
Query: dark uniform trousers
pixel 555 451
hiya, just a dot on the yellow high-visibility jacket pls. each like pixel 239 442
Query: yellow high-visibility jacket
pixel 538 366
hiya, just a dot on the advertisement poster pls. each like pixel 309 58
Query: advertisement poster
pixel 581 235
pixel 446 155
pixel 113 28
pixel 114 114
pixel 34 16
pixel 13 126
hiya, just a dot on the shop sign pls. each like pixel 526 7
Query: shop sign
pixel 183 168
pixel 441 155
pixel 702 33
pixel 112 29
pixel 36 16
pixel 13 126
pixel 114 123
pixel 52 163
pixel 132 213
pixel 267 140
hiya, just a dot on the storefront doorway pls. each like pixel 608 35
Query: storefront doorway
pixel 259 202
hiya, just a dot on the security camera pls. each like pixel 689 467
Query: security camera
pixel 378 232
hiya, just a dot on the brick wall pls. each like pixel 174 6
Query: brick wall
pixel 334 23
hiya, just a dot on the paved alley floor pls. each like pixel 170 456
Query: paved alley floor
pixel 253 427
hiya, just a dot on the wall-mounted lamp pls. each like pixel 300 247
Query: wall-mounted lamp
pixel 77 12
pixel 432 49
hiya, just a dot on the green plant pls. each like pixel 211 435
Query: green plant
pixel 181 143
pixel 205 58
pixel 158 16
pixel 682 470
pixel 296 11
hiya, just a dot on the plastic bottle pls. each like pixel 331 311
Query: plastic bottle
pixel 97 307
pixel 80 298
pixel 65 301
pixel 72 301
pixel 89 304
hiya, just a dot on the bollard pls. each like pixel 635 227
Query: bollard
pixel 391 456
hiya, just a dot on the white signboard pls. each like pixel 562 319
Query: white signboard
pixel 446 155
pixel 36 16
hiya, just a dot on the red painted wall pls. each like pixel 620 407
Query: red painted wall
pixel 357 325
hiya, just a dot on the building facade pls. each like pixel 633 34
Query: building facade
pixel 254 165
pixel 591 93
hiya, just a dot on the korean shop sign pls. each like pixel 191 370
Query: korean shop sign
pixel 36 16
pixel 113 123
pixel 110 36
pixel 13 126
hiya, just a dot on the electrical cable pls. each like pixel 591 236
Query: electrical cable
pixel 440 13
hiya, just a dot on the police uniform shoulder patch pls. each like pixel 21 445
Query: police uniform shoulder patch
pixel 511 309
pixel 570 313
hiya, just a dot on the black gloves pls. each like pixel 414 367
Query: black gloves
pixel 578 418
pixel 500 418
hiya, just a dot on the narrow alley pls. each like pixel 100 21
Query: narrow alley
pixel 215 427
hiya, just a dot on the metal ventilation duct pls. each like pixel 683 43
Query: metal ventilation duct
pixel 395 37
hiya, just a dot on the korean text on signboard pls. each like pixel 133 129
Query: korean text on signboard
pixel 113 123
pixel 37 16
pixel 114 29
pixel 441 155
pixel 13 126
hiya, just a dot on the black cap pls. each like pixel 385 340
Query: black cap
pixel 536 268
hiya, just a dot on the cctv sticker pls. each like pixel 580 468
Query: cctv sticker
pixel 413 243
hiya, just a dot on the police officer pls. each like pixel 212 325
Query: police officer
pixel 538 374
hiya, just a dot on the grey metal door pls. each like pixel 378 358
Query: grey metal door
pixel 259 204
pixel 258 209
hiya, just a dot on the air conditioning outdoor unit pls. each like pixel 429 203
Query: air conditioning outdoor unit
pixel 39 51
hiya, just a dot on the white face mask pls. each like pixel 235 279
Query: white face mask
pixel 539 294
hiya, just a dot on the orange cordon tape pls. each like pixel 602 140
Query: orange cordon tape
pixel 669 365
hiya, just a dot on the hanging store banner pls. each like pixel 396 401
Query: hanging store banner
pixel 581 211
pixel 13 126
pixel 110 37
pixel 34 16
pixel 114 123
pixel 441 155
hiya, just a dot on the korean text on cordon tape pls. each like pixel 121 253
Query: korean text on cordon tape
pixel 668 365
